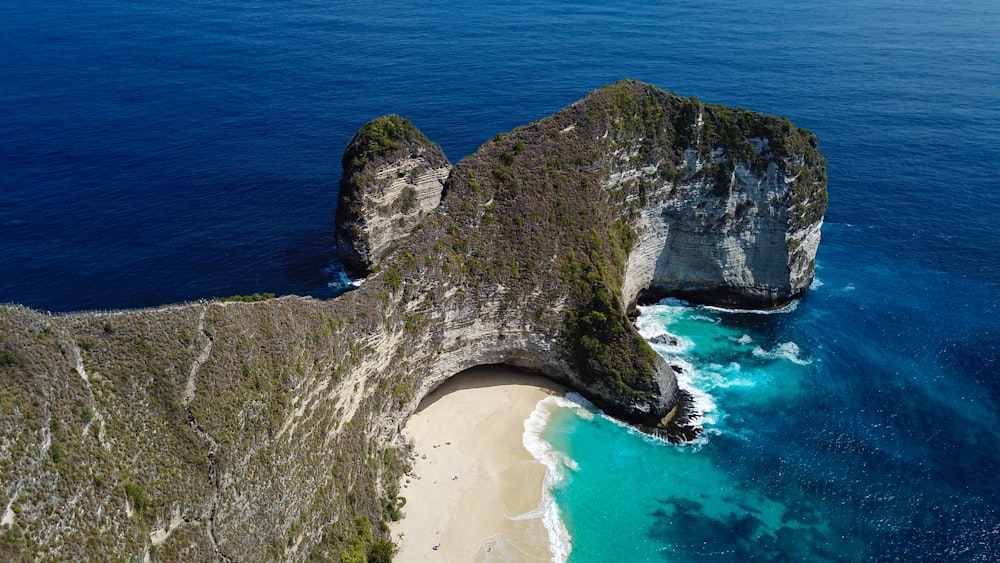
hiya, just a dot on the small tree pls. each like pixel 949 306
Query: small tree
pixel 138 497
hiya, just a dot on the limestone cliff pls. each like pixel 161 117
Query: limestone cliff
pixel 270 430
pixel 393 176
pixel 737 222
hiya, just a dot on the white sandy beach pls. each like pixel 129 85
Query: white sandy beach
pixel 474 491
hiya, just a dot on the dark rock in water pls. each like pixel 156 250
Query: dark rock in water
pixel 684 427
pixel 746 525
pixel 681 504
pixel 664 339
pixel 676 368
pixel 797 544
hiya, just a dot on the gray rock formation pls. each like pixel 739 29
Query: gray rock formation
pixel 270 429
pixel 393 177
pixel 741 249
pixel 739 231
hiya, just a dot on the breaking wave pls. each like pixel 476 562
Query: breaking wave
pixel 556 464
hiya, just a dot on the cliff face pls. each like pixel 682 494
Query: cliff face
pixel 732 215
pixel 740 248
pixel 393 177
pixel 262 430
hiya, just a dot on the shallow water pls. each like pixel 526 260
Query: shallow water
pixel 798 461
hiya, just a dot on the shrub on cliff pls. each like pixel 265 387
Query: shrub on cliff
pixel 380 137
pixel 138 498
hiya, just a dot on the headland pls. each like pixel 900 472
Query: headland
pixel 273 429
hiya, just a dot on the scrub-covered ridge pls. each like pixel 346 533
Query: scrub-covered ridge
pixel 270 429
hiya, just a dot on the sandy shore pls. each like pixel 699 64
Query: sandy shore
pixel 474 491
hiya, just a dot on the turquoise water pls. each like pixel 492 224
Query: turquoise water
pixel 629 497
pixel 797 462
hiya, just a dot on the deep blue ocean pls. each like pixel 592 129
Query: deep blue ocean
pixel 164 151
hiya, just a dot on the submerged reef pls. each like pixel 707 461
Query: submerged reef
pixel 270 429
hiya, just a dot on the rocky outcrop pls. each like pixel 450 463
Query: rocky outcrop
pixel 270 429
pixel 393 177
pixel 734 219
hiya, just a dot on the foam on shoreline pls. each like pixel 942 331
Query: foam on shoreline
pixel 556 464
pixel 474 492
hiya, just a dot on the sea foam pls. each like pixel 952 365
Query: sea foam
pixel 786 309
pixel 556 465
pixel 652 324
pixel 784 351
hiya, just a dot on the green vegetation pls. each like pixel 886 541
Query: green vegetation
pixel 809 195
pixel 408 199
pixel 8 359
pixel 55 452
pixel 380 137
pixel 138 498
pixel 364 547
pixel 415 323
pixel 392 280
pixel 605 346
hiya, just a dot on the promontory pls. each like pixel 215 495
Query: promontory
pixel 270 429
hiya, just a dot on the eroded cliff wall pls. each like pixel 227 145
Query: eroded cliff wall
pixel 393 177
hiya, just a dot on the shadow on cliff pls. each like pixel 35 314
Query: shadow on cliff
pixel 485 376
